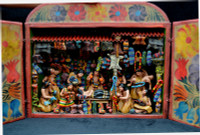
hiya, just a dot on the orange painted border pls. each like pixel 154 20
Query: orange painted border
pixel 144 3
pixel 172 69
pixel 114 25
pixel 22 70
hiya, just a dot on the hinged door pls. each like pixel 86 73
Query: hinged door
pixel 184 99
pixel 12 71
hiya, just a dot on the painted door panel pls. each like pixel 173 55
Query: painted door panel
pixel 184 96
pixel 12 71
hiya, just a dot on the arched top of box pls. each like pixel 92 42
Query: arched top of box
pixel 135 12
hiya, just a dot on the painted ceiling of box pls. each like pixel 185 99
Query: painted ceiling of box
pixel 116 12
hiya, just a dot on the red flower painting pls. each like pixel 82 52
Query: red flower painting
pixel 13 75
pixel 181 71
pixel 118 13
pixel 77 12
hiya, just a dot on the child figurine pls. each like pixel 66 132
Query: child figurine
pixel 66 98
pixel 143 104
pixel 50 91
pixel 125 102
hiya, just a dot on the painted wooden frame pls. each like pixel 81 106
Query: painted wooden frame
pixel 184 26
pixel 22 96
pixel 163 24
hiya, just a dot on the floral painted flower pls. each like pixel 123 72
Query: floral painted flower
pixel 118 13
pixel 97 13
pixel 181 71
pixel 76 12
pixel 58 13
pixel 194 71
pixel 181 94
pixel 137 13
pixel 10 43
pixel 182 108
pixel 187 40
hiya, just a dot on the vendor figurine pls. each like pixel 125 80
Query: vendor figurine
pixel 143 104
pixel 125 102
pixel 95 86
pixel 49 92
pixel 95 81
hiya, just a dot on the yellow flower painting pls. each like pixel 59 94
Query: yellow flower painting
pixel 187 40
pixel 97 13
pixel 10 43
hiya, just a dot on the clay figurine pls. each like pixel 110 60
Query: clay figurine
pixel 125 102
pixel 50 91
pixel 66 98
pixel 143 104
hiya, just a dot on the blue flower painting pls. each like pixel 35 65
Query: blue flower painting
pixel 194 71
pixel 58 13
pixel 182 108
pixel 14 106
pixel 137 13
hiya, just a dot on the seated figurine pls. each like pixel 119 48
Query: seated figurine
pixel 50 91
pixel 143 104
pixel 125 102
pixel 48 99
